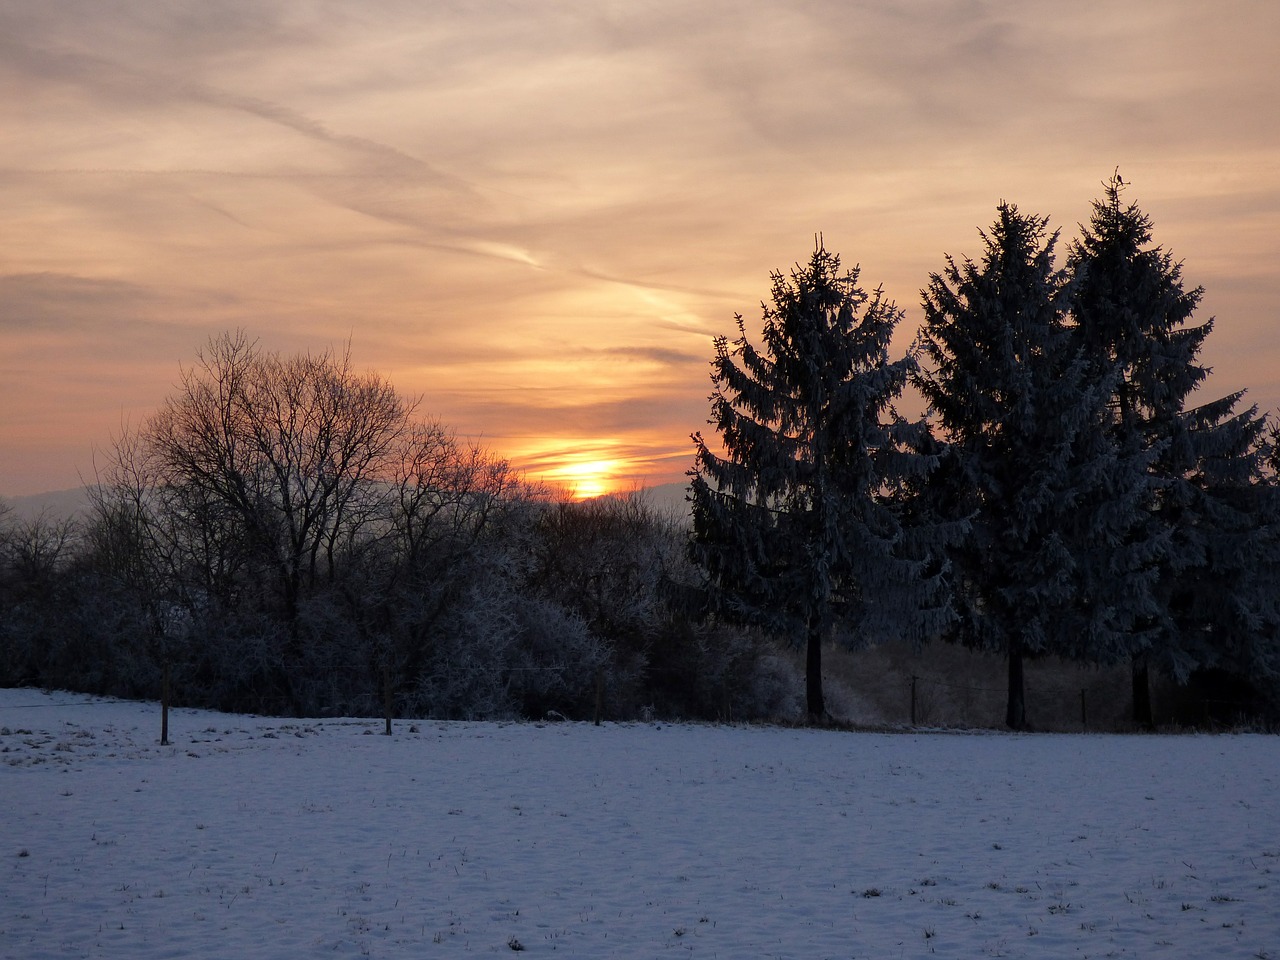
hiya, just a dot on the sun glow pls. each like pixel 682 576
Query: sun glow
pixel 578 468
pixel 586 479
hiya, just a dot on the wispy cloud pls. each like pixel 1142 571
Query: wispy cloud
pixel 536 215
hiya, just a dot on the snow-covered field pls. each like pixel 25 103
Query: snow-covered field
pixel 259 838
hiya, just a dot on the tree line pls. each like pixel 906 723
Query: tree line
pixel 1063 493
pixel 288 535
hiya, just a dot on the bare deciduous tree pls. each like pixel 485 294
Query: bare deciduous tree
pixel 293 447
pixel 304 489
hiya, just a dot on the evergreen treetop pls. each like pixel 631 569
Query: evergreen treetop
pixel 1021 414
pixel 794 522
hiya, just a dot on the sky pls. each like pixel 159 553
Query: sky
pixel 535 216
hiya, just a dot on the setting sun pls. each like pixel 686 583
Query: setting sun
pixel 582 468
pixel 587 479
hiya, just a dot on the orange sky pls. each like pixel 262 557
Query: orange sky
pixel 536 215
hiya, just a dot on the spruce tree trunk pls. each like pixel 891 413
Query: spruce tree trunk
pixel 164 702
pixel 1142 715
pixel 1015 717
pixel 813 674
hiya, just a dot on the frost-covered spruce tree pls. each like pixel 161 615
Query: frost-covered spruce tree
pixel 795 522
pixel 1026 457
pixel 1225 517
pixel 1208 525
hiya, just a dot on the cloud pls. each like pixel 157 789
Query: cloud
pixel 504 205
pixel 65 303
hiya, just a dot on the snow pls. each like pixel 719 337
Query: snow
pixel 264 838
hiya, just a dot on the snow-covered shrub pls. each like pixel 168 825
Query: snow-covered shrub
pixel 847 705
pixel 775 690
pixel 555 661
pixel 463 666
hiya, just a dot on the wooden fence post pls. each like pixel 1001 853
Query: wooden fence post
pixel 388 696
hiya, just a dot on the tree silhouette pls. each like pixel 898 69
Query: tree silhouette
pixel 796 522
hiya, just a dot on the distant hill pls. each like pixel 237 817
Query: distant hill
pixel 68 504
pixel 668 497
pixel 55 504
